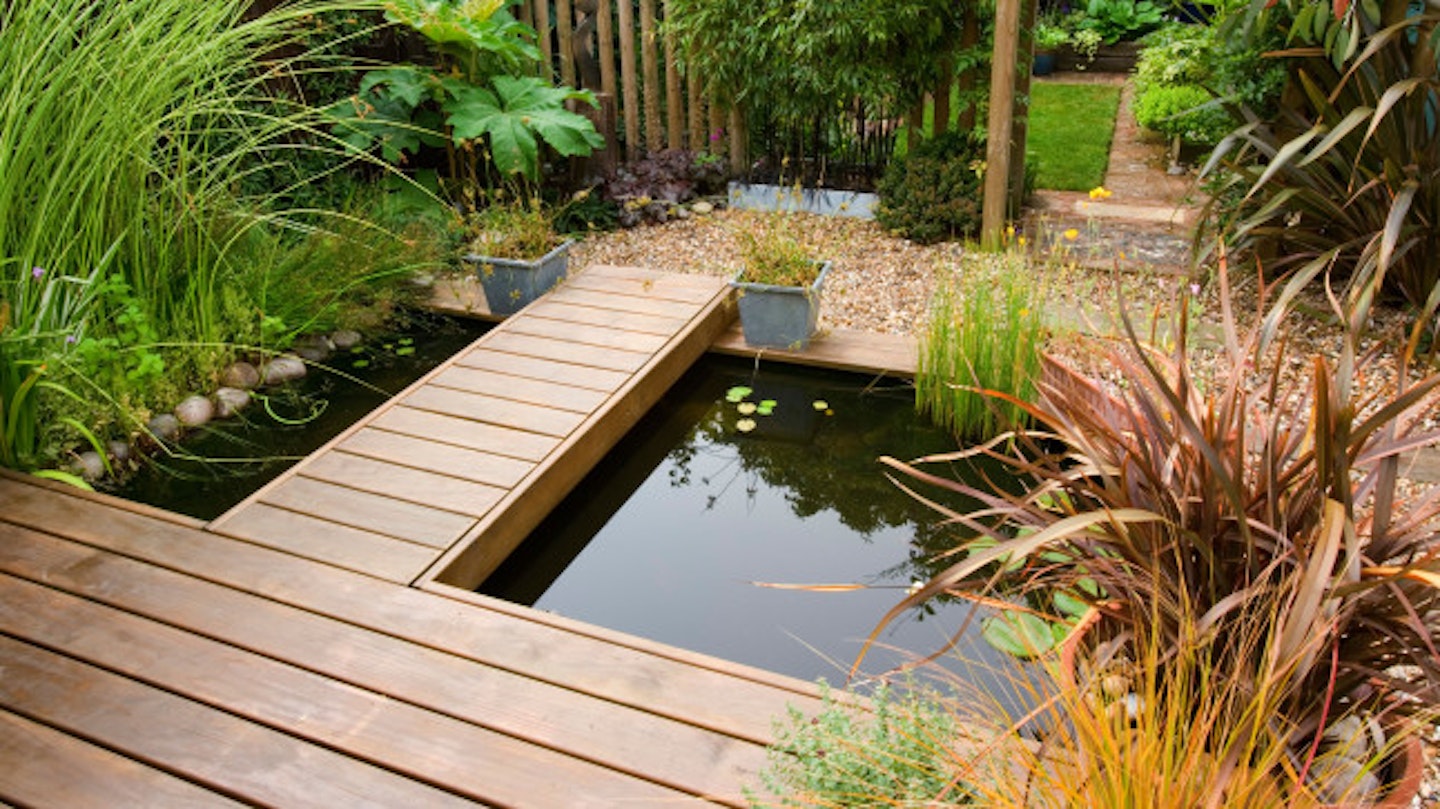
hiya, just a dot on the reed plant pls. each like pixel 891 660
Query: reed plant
pixel 984 336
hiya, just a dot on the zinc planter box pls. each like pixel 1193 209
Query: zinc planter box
pixel 512 284
pixel 779 316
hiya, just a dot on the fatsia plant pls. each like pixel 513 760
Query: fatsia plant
pixel 1174 508
pixel 1346 174
pixel 471 98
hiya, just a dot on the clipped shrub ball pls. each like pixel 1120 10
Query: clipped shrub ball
pixel 934 193
pixel 1181 110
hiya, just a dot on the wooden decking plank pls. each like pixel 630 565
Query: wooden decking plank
pixel 466 464
pixel 196 742
pixel 404 483
pixel 653 748
pixel 580 376
pixel 539 646
pixel 521 389
pixel 461 432
pixel 616 301
pixel 325 541
pixel 504 412
pixel 840 349
pixel 422 744
pixel 661 288
pixel 45 767
pixel 545 348
pixel 372 512
pixel 577 313
pixel 608 336
pixel 665 277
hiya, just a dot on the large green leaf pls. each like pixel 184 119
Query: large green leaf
pixel 519 113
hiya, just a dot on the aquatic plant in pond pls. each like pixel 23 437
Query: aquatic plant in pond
pixel 984 334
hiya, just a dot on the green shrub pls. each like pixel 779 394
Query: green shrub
pixel 1185 111
pixel 897 755
pixel 934 193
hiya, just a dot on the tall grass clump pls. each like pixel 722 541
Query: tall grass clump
pixel 984 335
pixel 131 135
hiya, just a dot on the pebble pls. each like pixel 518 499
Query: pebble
pixel 195 411
pixel 164 427
pixel 702 208
pixel 282 369
pixel 423 280
pixel 89 465
pixel 230 401
pixel 240 375
pixel 119 450
pixel 314 347
pixel 345 339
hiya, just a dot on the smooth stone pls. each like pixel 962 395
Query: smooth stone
pixel 164 427
pixel 89 465
pixel 702 208
pixel 119 450
pixel 241 375
pixel 195 411
pixel 314 347
pixel 230 401
pixel 424 280
pixel 1341 780
pixel 345 339
pixel 281 370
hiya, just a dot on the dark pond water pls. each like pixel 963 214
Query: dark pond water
pixel 668 537
pixel 227 460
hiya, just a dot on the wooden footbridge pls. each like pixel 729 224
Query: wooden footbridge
pixel 319 644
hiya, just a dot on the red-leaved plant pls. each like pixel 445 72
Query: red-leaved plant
pixel 1260 504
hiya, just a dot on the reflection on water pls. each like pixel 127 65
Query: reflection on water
pixel 668 537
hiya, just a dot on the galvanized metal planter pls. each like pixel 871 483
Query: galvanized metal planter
pixel 511 284
pixel 780 316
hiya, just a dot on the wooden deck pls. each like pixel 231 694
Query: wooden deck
pixel 452 474
pixel 149 662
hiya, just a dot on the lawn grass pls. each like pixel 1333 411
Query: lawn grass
pixel 1071 126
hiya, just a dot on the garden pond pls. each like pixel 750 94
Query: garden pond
pixel 695 527
pixel 224 462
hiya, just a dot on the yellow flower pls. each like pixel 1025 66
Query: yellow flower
pixel 1099 192
pixel 1021 241
pixel 1009 231
pixel 1071 235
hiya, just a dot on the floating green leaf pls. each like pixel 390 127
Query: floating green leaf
pixel 1020 634
pixel 737 393
pixel 767 406
pixel 820 404
pixel 404 351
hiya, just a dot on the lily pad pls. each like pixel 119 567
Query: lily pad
pixel 746 408
pixel 737 393
pixel 820 404
pixel 767 406
pixel 1019 634
pixel 745 425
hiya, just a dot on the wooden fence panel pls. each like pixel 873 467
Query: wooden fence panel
pixel 630 86
pixel 564 30
pixel 674 98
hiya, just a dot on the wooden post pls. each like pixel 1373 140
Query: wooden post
pixel 674 97
pixel 1022 107
pixel 739 135
pixel 527 15
pixel 565 28
pixel 605 49
pixel 650 59
pixel 997 152
pixel 542 28
pixel 630 101
pixel 695 101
